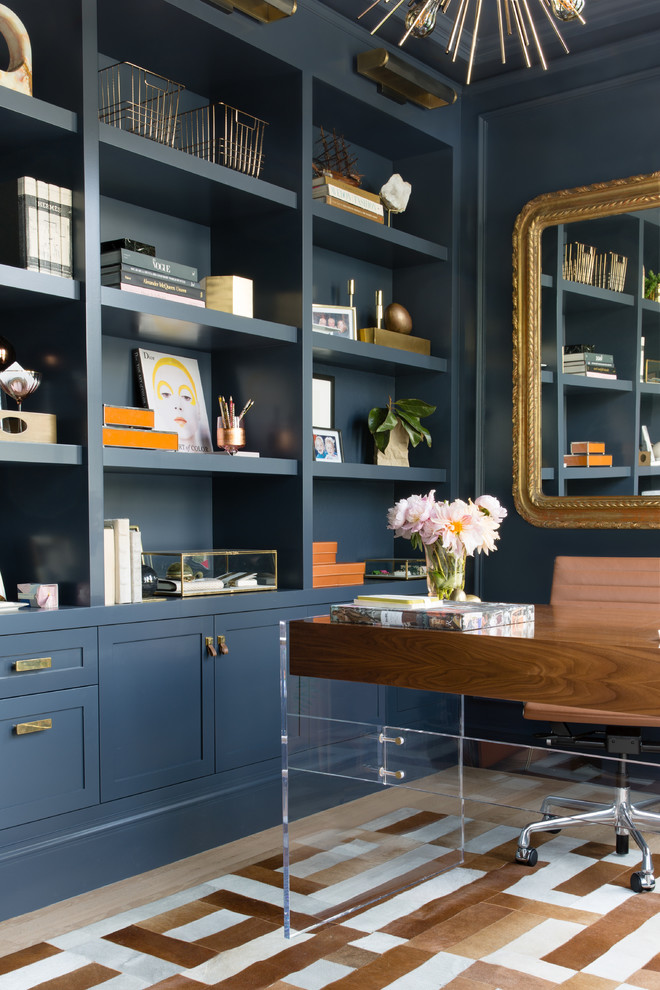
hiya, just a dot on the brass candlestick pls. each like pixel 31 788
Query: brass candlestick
pixel 351 291
pixel 379 309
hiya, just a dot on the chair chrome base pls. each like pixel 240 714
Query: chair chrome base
pixel 621 813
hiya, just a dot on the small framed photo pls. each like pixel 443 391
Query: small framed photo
pixel 340 321
pixel 327 445
pixel 323 401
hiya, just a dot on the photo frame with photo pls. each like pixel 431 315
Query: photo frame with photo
pixel 340 321
pixel 327 445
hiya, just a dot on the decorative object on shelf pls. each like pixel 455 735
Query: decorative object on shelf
pixel 39 595
pixel 139 101
pixel 229 294
pixel 587 453
pixel 327 445
pixel 447 533
pixel 652 371
pixel 335 191
pixel 340 321
pixel 350 286
pixel 652 285
pixel 421 21
pixel 398 319
pixel 18 384
pixel 212 572
pixel 223 135
pixel 606 270
pixel 323 401
pixel 327 573
pixel 7 353
pixel 394 195
pixel 18 74
pixel 170 384
pixel 582 359
pixel 149 581
pixel 395 426
pixel 334 159
pixel 401 82
pixel 397 568
pixel 230 432
pixel 128 244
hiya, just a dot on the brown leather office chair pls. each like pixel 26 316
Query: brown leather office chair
pixel 600 579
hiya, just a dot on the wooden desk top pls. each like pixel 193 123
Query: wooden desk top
pixel 592 656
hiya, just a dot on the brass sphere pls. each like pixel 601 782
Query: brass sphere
pixel 397 318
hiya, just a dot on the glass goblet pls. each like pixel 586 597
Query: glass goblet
pixel 19 383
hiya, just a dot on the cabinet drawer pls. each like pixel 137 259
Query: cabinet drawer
pixel 48 755
pixel 36 662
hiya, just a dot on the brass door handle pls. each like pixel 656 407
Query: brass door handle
pixel 210 648
pixel 40 725
pixel 38 663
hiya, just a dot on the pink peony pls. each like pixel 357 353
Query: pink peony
pixel 462 527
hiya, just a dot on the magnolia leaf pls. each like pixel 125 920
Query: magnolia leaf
pixel 413 430
pixel 376 419
pixel 382 440
pixel 414 407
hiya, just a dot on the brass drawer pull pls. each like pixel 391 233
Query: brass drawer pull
pixel 40 725
pixel 39 663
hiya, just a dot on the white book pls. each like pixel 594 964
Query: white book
pixel 348 197
pixel 66 224
pixel 28 226
pixel 121 529
pixel 136 563
pixel 43 222
pixel 55 228
pixel 109 563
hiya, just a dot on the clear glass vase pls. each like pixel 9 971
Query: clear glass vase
pixel 445 570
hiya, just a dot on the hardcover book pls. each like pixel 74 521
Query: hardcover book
pixel 141 290
pixel 457 616
pixel 117 270
pixel 156 266
pixel 171 385
pixel 19 232
pixel 155 282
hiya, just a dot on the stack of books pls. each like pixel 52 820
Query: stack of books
pixel 148 275
pixel 122 561
pixel 128 426
pixel 579 359
pixel 36 226
pixel 587 453
pixel 421 612
pixel 329 189
pixel 327 573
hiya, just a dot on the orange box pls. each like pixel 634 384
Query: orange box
pixel 587 447
pixel 129 416
pixel 326 570
pixel 325 547
pixel 115 436
pixel 337 581
pixel 587 460
pixel 323 558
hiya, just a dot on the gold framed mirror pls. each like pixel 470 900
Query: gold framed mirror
pixel 569 250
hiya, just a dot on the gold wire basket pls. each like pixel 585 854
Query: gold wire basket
pixel 139 101
pixel 223 135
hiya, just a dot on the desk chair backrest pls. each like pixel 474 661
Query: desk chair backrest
pixel 606 579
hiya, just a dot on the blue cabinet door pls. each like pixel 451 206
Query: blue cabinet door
pixel 48 754
pixel 155 704
pixel 247 690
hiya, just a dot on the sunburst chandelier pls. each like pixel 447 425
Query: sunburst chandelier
pixel 514 17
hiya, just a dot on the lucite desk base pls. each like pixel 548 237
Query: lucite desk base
pixel 373 813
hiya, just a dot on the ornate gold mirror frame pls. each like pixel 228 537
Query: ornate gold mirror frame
pixel 585 203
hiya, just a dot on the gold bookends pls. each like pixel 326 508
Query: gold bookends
pixel 262 10
pixel 400 81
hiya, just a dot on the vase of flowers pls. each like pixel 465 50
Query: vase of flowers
pixel 447 533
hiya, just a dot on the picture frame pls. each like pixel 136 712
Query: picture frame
pixel 323 401
pixel 327 445
pixel 340 321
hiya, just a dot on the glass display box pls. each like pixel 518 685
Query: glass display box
pixel 401 568
pixel 212 572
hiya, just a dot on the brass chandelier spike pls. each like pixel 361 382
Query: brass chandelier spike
pixel 513 17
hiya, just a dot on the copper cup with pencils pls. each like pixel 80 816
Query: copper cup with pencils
pixel 230 431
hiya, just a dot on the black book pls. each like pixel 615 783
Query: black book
pixel 155 282
pixel 117 270
pixel 129 244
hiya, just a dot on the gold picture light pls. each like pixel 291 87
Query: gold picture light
pixel 401 82
pixel 513 17
pixel 262 10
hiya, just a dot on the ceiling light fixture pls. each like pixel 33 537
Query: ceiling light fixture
pixel 513 17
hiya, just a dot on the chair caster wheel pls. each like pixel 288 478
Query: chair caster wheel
pixel 552 831
pixel 622 844
pixel 642 883
pixel 527 856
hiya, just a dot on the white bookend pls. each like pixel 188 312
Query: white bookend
pixel 66 224
pixel 55 228
pixel 109 563
pixel 28 227
pixel 121 529
pixel 136 564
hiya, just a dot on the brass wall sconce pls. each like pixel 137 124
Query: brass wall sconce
pixel 401 82
pixel 262 10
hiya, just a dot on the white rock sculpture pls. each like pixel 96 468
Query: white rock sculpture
pixel 395 194
pixel 18 75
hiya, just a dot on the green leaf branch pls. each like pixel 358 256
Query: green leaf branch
pixel 407 412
